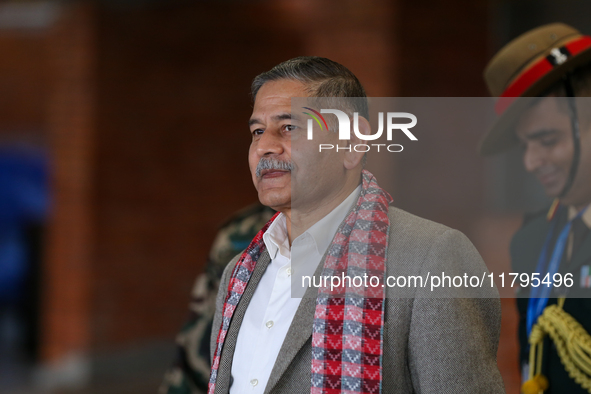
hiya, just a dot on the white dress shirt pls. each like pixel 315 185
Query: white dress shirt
pixel 272 308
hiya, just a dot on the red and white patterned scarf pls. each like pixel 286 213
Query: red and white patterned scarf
pixel 347 338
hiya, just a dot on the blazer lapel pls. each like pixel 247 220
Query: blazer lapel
pixel 225 369
pixel 299 332
pixel 301 326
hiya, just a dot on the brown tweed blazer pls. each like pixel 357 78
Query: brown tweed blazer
pixel 431 345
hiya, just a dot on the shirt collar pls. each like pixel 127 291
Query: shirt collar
pixel 275 238
pixel 322 232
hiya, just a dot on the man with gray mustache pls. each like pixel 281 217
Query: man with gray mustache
pixel 269 163
pixel 335 217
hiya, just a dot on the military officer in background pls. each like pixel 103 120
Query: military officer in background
pixel 539 79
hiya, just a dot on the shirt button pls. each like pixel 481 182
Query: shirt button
pixel 289 272
pixel 254 382
pixel 269 324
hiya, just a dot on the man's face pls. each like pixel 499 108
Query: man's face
pixel 314 176
pixel 545 135
pixel 546 138
pixel 270 126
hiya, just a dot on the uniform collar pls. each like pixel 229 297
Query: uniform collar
pixel 572 212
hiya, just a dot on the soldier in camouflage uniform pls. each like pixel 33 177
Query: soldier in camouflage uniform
pixel 190 372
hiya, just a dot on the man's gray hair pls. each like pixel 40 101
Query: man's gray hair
pixel 323 78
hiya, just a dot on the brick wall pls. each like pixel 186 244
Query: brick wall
pixel 71 128
pixel 172 145
pixel 171 164
pixel 443 49
pixel 23 84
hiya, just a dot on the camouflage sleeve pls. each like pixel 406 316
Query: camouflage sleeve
pixel 190 372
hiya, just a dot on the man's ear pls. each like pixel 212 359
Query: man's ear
pixel 354 158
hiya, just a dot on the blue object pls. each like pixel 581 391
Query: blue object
pixel 539 295
pixel 24 199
